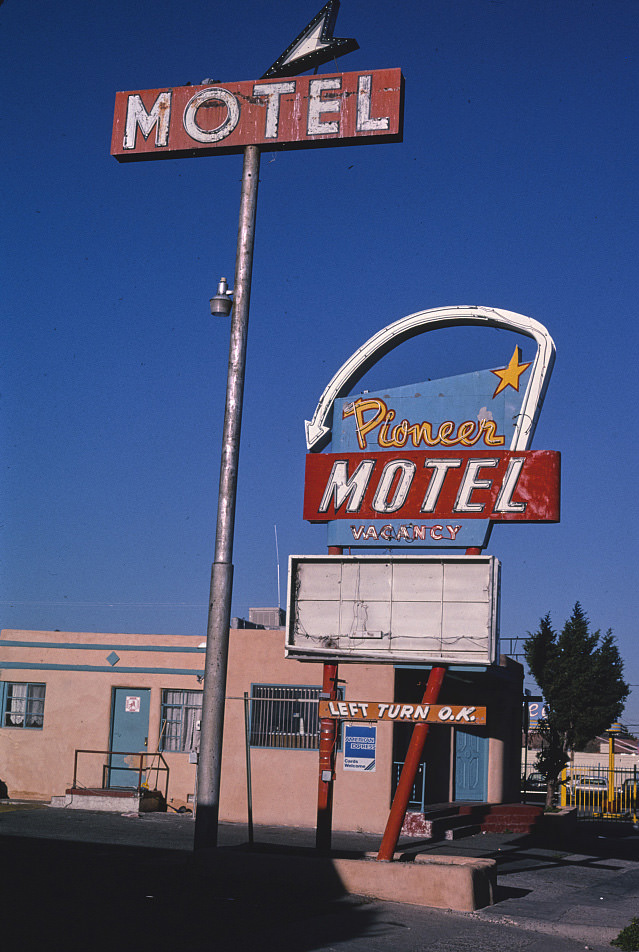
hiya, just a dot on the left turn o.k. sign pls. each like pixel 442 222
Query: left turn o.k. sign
pixel 299 112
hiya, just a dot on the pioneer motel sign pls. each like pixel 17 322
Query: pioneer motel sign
pixel 433 464
pixel 439 462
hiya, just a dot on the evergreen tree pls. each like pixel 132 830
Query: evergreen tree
pixel 580 676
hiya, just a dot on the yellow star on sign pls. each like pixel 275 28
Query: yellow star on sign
pixel 509 376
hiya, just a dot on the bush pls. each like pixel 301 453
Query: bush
pixel 628 938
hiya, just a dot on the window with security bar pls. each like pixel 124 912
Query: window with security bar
pixel 180 720
pixel 285 715
pixel 22 704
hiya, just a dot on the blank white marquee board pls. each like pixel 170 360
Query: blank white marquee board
pixel 397 609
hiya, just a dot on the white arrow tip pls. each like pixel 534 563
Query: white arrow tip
pixel 314 433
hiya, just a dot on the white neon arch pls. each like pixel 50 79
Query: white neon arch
pixel 394 334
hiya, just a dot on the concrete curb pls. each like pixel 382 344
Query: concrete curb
pixel 588 934
pixel 452 882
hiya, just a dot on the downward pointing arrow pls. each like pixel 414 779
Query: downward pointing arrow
pixel 314 46
pixel 310 42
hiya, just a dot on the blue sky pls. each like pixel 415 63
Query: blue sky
pixel 515 187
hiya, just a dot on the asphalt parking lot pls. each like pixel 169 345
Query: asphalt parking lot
pixel 74 877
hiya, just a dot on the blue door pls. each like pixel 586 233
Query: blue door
pixel 129 734
pixel 471 766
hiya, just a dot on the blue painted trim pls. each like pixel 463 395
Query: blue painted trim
pixel 94 647
pixel 33 666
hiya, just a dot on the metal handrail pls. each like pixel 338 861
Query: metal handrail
pixel 418 793
pixel 161 765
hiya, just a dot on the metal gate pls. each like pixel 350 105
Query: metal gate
pixel 601 793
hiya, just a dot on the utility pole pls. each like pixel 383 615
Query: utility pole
pixel 219 619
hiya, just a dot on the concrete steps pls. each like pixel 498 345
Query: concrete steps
pixel 453 821
pixel 109 801
pixel 520 818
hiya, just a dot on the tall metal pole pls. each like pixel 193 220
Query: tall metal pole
pixel 217 636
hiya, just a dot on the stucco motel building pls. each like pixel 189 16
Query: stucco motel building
pixel 113 712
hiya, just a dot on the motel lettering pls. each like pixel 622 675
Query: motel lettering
pixel 305 111
pixel 500 486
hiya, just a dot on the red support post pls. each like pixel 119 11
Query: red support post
pixel 327 744
pixel 409 771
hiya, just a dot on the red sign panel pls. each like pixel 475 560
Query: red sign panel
pixel 299 112
pixel 501 486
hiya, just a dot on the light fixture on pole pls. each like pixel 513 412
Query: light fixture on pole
pixel 222 303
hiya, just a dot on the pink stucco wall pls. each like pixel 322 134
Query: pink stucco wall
pixel 38 764
pixel 284 782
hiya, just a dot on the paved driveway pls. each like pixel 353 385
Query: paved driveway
pixel 72 878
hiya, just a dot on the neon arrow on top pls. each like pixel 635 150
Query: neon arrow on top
pixel 314 46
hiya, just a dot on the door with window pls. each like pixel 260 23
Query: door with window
pixel 129 735
pixel 471 766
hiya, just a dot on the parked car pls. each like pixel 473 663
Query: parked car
pixel 587 788
pixel 588 782
pixel 534 788
pixel 628 792
pixel 534 783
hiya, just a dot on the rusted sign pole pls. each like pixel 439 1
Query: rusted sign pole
pixel 281 109
pixel 409 770
pixel 327 742
pixel 327 745
pixel 219 619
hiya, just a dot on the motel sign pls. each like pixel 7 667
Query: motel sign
pixel 436 463
pixel 280 110
pixel 295 113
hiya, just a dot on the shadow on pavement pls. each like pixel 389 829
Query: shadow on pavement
pixel 592 845
pixel 502 893
pixel 69 894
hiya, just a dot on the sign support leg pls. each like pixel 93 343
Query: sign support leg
pixel 409 771
pixel 217 635
pixel 327 744
pixel 327 741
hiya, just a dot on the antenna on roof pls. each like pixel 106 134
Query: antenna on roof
pixel 277 559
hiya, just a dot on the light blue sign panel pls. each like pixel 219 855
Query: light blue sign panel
pixel 466 397
pixel 360 741
pixel 458 413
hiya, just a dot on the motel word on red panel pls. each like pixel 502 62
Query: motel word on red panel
pixel 300 112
